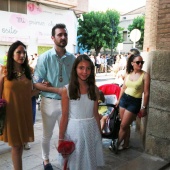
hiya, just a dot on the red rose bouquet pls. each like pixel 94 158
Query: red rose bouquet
pixel 2 114
pixel 66 148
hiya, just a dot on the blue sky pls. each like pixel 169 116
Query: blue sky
pixel 119 5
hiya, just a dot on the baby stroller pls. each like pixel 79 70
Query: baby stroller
pixel 111 93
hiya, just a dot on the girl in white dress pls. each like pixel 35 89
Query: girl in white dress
pixel 80 119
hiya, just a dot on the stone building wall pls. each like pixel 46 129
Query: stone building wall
pixel 157 52
pixel 151 18
pixel 163 26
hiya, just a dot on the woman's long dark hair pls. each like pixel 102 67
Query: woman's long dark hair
pixel 10 62
pixel 74 88
pixel 129 67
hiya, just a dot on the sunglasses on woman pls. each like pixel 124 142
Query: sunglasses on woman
pixel 139 62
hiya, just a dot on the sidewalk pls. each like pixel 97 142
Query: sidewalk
pixel 133 158
pixel 104 78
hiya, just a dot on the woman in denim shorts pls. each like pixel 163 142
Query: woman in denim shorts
pixel 136 84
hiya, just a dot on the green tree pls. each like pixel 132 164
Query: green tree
pixel 95 30
pixel 138 23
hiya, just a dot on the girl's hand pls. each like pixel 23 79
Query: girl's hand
pixel 59 142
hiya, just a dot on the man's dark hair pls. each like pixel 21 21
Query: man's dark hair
pixel 63 26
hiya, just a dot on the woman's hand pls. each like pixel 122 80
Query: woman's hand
pixel 143 112
pixel 117 103
pixel 47 84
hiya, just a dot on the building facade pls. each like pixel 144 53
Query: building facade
pixel 126 20
pixel 31 22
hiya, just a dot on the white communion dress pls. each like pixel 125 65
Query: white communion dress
pixel 82 128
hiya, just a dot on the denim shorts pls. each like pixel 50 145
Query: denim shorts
pixel 130 103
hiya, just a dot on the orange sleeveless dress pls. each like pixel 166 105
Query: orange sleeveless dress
pixel 19 121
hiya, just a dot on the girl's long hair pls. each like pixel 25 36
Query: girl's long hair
pixel 10 62
pixel 74 87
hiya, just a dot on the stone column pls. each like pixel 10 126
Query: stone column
pixel 157 49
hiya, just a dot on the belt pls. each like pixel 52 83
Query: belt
pixel 52 98
pixel 89 118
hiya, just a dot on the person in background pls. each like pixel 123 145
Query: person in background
pixel 120 76
pixel 103 112
pixel 116 65
pixel 32 64
pixel 77 54
pixel 102 65
pixel 92 58
pixel 107 56
pixel 98 63
pixel 133 51
pixel 34 98
pixel 79 122
pixel 16 89
pixel 136 84
pixel 105 64
pixel 54 68
pixel 33 60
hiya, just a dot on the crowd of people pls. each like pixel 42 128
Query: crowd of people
pixel 67 86
pixel 106 63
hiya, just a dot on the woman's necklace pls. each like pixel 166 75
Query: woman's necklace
pixel 19 74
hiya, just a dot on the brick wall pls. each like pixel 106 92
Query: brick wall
pixel 163 25
pixel 157 25
pixel 151 17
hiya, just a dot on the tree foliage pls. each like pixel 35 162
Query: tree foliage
pixel 138 23
pixel 95 30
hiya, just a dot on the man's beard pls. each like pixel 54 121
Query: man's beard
pixel 62 45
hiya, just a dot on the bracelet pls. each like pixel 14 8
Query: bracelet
pixel 143 107
pixel 60 139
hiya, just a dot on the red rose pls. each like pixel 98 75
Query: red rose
pixel 66 147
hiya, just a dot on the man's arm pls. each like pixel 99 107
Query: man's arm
pixel 38 78
pixel 47 88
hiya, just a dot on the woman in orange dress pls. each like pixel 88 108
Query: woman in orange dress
pixel 16 89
